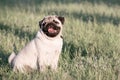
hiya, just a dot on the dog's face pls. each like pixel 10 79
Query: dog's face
pixel 52 25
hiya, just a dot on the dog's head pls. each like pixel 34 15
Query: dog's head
pixel 52 25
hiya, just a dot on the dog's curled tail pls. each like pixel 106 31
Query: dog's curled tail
pixel 11 58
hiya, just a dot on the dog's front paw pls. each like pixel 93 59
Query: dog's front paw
pixel 42 68
pixel 19 68
pixel 23 69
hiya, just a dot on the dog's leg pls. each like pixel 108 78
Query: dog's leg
pixel 41 64
pixel 42 68
pixel 54 66
pixel 54 63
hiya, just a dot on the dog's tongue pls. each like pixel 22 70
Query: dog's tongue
pixel 51 30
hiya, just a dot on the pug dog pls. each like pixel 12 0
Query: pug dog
pixel 44 50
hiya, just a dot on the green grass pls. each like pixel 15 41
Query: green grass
pixel 91 32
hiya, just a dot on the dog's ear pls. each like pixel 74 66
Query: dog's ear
pixel 40 23
pixel 62 19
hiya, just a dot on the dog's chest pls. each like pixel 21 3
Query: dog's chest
pixel 47 47
pixel 49 51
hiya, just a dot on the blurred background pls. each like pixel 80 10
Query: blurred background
pixel 14 2
pixel 100 10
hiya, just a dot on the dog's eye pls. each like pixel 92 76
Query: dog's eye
pixel 44 23
pixel 55 22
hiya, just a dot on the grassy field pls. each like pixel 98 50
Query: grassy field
pixel 91 32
